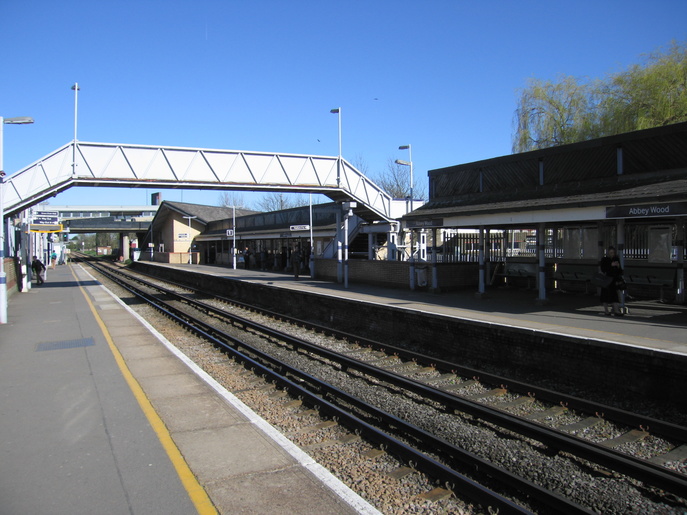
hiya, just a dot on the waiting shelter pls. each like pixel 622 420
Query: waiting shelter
pixel 543 218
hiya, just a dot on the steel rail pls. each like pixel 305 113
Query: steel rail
pixel 639 469
pixel 279 371
pixel 655 426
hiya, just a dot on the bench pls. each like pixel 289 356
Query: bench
pixel 577 272
pixel 527 271
pixel 650 276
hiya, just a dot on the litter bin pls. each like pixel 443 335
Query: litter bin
pixel 421 277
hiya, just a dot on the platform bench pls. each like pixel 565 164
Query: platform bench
pixel 651 276
pixel 518 270
pixel 582 273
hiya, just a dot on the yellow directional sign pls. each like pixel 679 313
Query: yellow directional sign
pixel 45 228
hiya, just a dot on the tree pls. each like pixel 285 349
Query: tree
pixel 570 110
pixel 232 198
pixel 648 96
pixel 394 179
pixel 280 201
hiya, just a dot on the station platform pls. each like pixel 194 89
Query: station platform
pixel 649 324
pixel 100 414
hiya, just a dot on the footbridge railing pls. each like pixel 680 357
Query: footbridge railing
pixel 115 165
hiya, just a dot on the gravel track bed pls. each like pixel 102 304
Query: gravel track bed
pixel 596 489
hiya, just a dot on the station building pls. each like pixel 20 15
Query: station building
pixel 544 218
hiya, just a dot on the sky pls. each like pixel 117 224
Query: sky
pixel 263 75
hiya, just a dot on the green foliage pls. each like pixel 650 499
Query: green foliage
pixel 571 110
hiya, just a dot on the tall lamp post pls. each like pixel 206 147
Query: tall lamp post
pixel 410 164
pixel 337 112
pixel 76 89
pixel 3 277
pixel 190 243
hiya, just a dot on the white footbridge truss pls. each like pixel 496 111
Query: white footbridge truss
pixel 127 166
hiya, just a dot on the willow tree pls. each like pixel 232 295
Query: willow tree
pixel 570 110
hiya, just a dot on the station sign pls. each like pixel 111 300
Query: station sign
pixel 300 227
pixel 46 217
pixel 418 224
pixel 45 228
pixel 230 232
pixel 647 210
pixel 182 236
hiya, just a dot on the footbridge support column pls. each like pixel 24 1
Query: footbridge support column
pixel 124 246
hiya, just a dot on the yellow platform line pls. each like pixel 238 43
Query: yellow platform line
pixel 196 492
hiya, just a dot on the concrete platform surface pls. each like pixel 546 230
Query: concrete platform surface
pixel 99 414
pixel 649 324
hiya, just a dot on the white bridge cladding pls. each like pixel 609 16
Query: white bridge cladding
pixel 113 165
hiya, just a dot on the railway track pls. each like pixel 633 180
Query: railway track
pixel 391 370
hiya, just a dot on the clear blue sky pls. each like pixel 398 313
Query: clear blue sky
pixel 263 75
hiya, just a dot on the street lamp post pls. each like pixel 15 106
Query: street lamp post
pixel 337 112
pixel 190 243
pixel 3 277
pixel 410 164
pixel 76 89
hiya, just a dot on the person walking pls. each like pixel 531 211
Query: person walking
pixel 38 267
pixel 296 261
pixel 53 260
pixel 610 267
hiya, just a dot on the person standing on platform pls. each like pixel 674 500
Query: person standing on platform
pixel 38 267
pixel 610 267
pixel 53 260
pixel 296 261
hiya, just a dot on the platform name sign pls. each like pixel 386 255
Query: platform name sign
pixel 45 221
pixel 418 224
pixel 647 210
pixel 300 227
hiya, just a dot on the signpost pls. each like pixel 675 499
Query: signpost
pixel 45 221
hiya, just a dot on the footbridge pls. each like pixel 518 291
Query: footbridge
pixel 131 166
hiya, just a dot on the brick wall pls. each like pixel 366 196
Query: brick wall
pixel 396 274
pixel 12 274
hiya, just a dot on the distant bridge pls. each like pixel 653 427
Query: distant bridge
pixel 132 166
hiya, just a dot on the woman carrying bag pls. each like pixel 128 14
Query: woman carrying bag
pixel 610 267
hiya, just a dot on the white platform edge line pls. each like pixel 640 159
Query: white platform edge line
pixel 332 482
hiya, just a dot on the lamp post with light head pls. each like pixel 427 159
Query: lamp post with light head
pixel 21 120
pixel 410 164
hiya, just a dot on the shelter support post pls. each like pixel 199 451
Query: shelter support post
pixel 680 260
pixel 370 246
pixel 621 256
pixel 345 271
pixel 435 275
pixel 412 263
pixel 481 288
pixel 339 255
pixel 541 276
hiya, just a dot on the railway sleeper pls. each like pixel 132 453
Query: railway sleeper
pixel 553 411
pixel 677 454
pixel 634 435
pixel 581 425
pixel 436 495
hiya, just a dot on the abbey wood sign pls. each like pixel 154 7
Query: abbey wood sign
pixel 647 210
